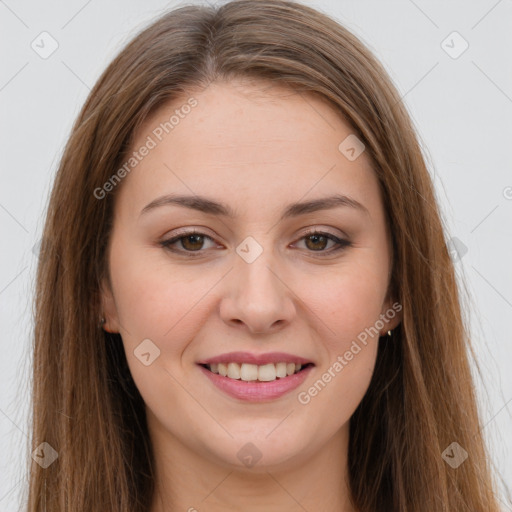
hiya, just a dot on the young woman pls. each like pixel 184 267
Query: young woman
pixel 245 299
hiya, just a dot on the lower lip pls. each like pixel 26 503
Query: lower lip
pixel 254 391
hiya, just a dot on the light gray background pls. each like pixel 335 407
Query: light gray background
pixel 462 108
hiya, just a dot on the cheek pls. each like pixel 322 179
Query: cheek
pixel 164 307
pixel 154 302
pixel 349 345
pixel 349 306
pixel 350 301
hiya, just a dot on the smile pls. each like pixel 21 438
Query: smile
pixel 255 390
pixel 252 372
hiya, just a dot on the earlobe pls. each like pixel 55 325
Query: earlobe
pixel 108 314
pixel 391 316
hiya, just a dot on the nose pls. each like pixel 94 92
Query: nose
pixel 257 297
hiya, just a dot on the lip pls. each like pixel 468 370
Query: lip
pixel 259 359
pixel 253 391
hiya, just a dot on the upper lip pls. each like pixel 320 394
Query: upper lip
pixel 258 359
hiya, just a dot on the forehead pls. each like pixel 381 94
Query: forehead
pixel 265 142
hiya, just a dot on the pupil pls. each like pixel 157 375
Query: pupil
pixel 316 238
pixel 189 238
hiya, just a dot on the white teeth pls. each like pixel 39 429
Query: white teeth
pixel 252 372
pixel 222 368
pixel 267 372
pixel 233 370
pixel 281 370
pixel 249 372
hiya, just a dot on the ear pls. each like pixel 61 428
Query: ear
pixel 108 307
pixel 391 315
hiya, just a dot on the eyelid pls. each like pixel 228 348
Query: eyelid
pixel 324 231
pixel 342 242
pixel 182 233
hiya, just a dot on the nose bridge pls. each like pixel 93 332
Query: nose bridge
pixel 256 280
pixel 257 296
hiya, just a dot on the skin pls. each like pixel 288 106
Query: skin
pixel 256 148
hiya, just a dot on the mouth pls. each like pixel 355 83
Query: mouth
pixel 256 373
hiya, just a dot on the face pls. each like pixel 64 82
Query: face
pixel 234 274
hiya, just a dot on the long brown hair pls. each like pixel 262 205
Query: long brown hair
pixel 85 403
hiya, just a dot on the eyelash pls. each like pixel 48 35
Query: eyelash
pixel 341 243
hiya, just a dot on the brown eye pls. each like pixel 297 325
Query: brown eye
pixel 318 242
pixel 192 242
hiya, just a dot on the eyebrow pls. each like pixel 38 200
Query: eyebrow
pixel 209 206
